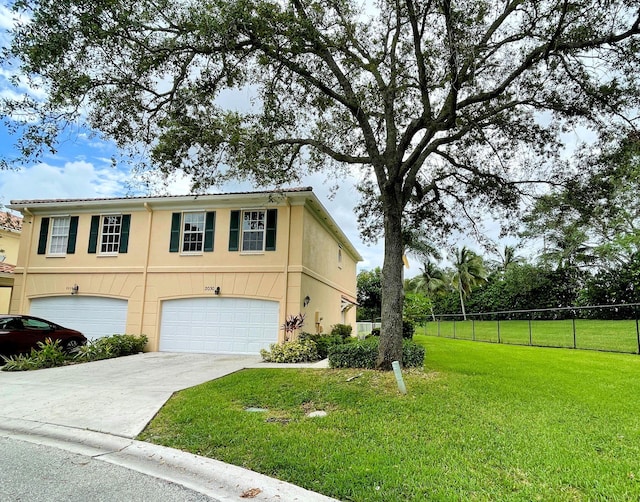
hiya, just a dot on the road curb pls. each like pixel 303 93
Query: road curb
pixel 223 482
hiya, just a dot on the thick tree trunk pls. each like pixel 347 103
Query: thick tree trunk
pixel 392 291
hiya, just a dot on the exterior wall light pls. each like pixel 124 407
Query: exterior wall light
pixel 306 301
pixel 217 290
pixel 74 289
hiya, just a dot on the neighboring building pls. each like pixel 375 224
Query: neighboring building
pixel 201 273
pixel 10 227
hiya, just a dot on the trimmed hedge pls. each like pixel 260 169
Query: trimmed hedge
pixel 325 342
pixel 342 330
pixel 299 351
pixel 363 354
pixel 408 329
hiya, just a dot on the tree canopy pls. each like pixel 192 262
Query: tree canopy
pixel 595 219
pixel 440 105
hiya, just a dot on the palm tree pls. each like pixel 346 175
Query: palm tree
pixel 568 248
pixel 431 282
pixel 508 258
pixel 469 271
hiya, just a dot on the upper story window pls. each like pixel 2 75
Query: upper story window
pixel 58 235
pixel 192 232
pixel 253 230
pixel 253 227
pixel 109 234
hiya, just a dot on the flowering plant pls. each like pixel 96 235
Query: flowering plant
pixel 292 323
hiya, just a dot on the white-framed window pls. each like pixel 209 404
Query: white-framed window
pixel 59 235
pixel 193 232
pixel 254 223
pixel 110 233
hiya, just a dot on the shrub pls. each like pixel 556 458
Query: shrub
pixel 412 354
pixel 324 342
pixel 363 354
pixel 408 329
pixel 49 354
pixel 111 346
pixel 20 362
pixel 299 351
pixel 341 330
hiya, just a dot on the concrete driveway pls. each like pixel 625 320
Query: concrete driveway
pixel 115 396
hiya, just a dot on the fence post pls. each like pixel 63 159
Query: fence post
pixel 473 329
pixel 637 332
pixel 530 336
pixel 573 322
pixel 498 330
pixel 439 326
pixel 454 328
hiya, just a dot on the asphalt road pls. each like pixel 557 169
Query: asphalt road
pixel 37 473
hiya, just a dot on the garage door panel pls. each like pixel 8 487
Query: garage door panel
pixel 94 316
pixel 218 325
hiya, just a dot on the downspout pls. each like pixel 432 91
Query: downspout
pixel 286 267
pixel 23 296
pixel 146 266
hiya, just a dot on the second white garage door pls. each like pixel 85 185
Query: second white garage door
pixel 94 316
pixel 218 325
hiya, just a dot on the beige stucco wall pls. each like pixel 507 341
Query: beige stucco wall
pixel 304 264
pixel 326 279
pixel 9 247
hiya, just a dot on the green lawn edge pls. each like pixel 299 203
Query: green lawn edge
pixel 481 422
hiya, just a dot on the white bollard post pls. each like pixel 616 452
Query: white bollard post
pixel 398 373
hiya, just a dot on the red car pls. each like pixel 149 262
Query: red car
pixel 20 333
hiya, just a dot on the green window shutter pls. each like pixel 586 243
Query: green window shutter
pixel 73 234
pixel 44 232
pixel 234 231
pixel 124 233
pixel 209 230
pixel 93 234
pixel 272 220
pixel 174 242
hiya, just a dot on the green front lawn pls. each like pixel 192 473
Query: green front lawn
pixel 482 422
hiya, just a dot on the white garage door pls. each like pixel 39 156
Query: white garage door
pixel 92 315
pixel 218 325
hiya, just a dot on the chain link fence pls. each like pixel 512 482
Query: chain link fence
pixel 610 328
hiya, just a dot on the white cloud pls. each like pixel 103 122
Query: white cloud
pixel 78 179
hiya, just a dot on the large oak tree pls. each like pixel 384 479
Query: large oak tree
pixel 438 103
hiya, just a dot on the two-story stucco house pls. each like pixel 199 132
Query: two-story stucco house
pixel 201 273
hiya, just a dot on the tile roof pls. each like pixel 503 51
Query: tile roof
pixel 6 268
pixel 144 197
pixel 10 221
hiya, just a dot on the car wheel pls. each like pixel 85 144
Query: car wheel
pixel 71 345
